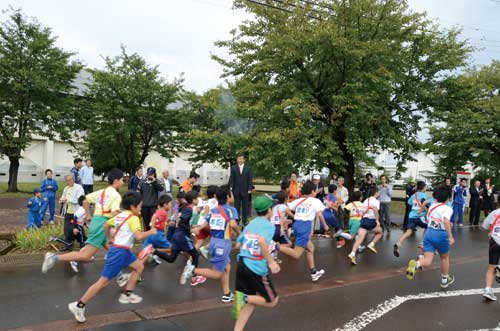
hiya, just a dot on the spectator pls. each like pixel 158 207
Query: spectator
pixel 385 197
pixel 343 198
pixel 459 195
pixel 334 180
pixel 87 176
pixel 475 203
pixel 367 184
pixel 240 183
pixel 134 180
pixel 410 190
pixel 488 197
pixel 447 183
pixel 78 163
pixel 49 190
pixel 69 200
pixel 34 205
pixel 168 183
pixel 294 188
pixel 187 185
pixel 320 189
pixel 150 189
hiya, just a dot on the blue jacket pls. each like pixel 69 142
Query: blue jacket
pixel 35 205
pixel 76 175
pixel 133 183
pixel 459 194
pixel 49 193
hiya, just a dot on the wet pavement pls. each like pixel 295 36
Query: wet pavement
pixel 29 298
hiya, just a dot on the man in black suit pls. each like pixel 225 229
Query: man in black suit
pixel 475 203
pixel 240 182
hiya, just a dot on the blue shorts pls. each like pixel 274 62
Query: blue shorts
pixel 436 240
pixel 220 252
pixel 116 260
pixel 414 222
pixel 282 239
pixel 302 231
pixel 181 242
pixel 368 224
pixel 158 240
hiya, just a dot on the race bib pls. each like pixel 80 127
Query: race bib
pixel 217 222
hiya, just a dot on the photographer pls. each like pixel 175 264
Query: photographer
pixel 150 187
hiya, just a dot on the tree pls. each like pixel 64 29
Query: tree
pixel 127 114
pixel 466 128
pixel 35 82
pixel 326 85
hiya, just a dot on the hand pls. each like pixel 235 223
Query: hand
pixel 153 231
pixel 452 240
pixel 326 227
pixel 250 192
pixel 274 267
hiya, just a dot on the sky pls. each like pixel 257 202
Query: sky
pixel 179 35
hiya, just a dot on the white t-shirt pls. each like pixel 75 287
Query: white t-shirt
pixel 80 215
pixel 124 235
pixel 343 193
pixel 438 212
pixel 278 212
pixel 306 208
pixel 212 203
pixel 492 223
pixel 368 206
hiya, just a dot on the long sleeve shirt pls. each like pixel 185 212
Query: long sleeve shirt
pixel 87 175
pixel 385 193
pixel 459 194
pixel 49 193
pixel 34 205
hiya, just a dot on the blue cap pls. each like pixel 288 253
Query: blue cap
pixel 151 171
pixel 37 190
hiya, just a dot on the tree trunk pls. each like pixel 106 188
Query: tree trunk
pixel 348 159
pixel 13 171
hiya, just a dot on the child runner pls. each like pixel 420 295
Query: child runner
pixel 107 204
pixel 438 238
pixel 253 285
pixel 306 210
pixel 369 222
pixel 204 231
pixel 222 221
pixel 78 232
pixel 417 216
pixel 34 205
pixel 181 239
pixel 279 219
pixel 127 228
pixel 159 222
pixel 174 217
pixel 355 209
pixel 492 223
pixel 49 190
pixel 329 214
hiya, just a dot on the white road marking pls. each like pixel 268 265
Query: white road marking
pixel 493 329
pixel 363 320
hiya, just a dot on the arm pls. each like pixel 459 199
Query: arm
pixel 43 187
pixel 55 188
pixel 159 185
pixel 235 227
pixel 390 192
pixel 377 216
pixel 249 181
pixel 86 206
pixel 322 219
pixel 447 225
pixel 264 248
pixel 107 231
pixel 231 179
pixel 139 235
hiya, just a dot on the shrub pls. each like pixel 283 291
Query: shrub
pixel 33 240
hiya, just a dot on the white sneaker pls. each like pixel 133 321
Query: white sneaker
pixel 51 222
pixel 130 298
pixel 204 252
pixel 317 275
pixel 488 294
pixel 122 280
pixel 187 273
pixel 48 262
pixel 157 259
pixel 74 266
pixel 361 248
pixel 79 313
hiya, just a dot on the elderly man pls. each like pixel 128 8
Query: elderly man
pixel 320 190
pixel 385 197
pixel 168 183
pixel 343 197
pixel 69 201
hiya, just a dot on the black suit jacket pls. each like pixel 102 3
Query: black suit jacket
pixel 474 196
pixel 240 184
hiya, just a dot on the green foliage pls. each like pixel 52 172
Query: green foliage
pixel 35 80
pixel 126 114
pixel 34 240
pixel 466 122
pixel 327 91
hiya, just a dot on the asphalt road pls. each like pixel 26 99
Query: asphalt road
pixel 29 298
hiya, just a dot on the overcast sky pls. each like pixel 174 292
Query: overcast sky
pixel 179 35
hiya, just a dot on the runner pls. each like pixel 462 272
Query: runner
pixel 128 228
pixel 492 223
pixel 204 232
pixel 159 222
pixel 369 222
pixel 306 210
pixel 253 285
pixel 417 216
pixel 438 237
pixel 355 209
pixel 280 220
pixel 107 204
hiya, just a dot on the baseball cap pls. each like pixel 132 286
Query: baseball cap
pixel 262 203
pixel 316 176
pixel 37 190
pixel 151 171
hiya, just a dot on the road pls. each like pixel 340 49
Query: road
pixel 30 300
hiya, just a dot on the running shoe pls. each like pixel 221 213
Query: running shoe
pixel 197 280
pixel 340 243
pixel 420 245
pixel 51 222
pixel 238 304
pixel 396 250
pixel 122 280
pixel 129 298
pixel 149 249
pixel 412 269
pixel 186 273
pixel 228 298
pixel 204 252
pixel 460 225
pixel 497 274
pixel 371 246
pixel 447 282
pixel 74 266
pixel 48 262
pixel 352 257
pixel 78 312
pixel 488 294
pixel 361 248
pixel 338 233
pixel 317 275
pixel 156 259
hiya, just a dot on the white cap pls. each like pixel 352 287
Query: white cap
pixel 316 176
